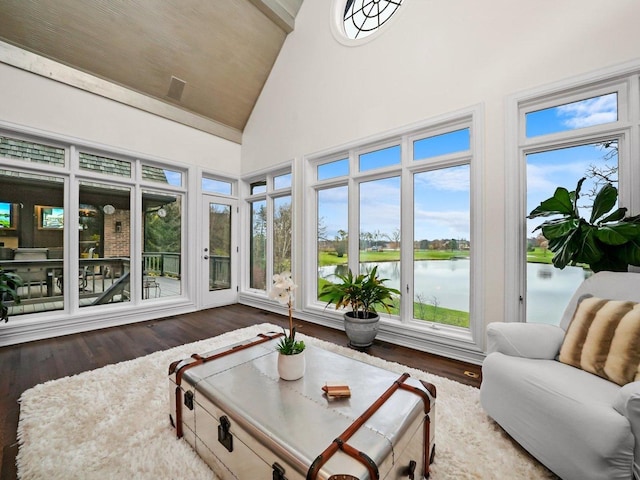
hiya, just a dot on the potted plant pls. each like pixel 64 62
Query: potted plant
pixel 608 241
pixel 291 360
pixel 362 293
pixel 9 283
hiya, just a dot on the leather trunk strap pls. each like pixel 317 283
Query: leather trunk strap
pixel 199 360
pixel 340 443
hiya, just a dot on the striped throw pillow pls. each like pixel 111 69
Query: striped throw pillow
pixel 603 338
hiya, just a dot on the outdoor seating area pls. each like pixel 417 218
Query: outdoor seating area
pixel 100 280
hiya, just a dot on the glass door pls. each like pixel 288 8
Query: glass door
pixel 219 251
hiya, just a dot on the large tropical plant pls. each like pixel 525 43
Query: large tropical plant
pixel 9 283
pixel 609 240
pixel 362 293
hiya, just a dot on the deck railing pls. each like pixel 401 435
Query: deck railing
pixel 161 264
pixel 219 272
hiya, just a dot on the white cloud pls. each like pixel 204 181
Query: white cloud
pixel 447 179
pixel 433 225
pixel 593 111
pixel 544 178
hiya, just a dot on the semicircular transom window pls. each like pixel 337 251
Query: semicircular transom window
pixel 364 17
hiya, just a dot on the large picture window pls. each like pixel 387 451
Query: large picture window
pixel 270 226
pixel 442 246
pixel 564 137
pixel 362 221
pixel 76 252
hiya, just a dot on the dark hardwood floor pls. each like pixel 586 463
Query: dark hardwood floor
pixel 23 366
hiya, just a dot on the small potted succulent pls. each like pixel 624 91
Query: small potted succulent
pixel 291 359
pixel 362 293
pixel 9 283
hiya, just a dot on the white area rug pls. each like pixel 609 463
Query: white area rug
pixel 113 423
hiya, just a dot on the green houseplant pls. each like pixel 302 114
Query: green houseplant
pixel 9 283
pixel 362 294
pixel 609 240
pixel 291 360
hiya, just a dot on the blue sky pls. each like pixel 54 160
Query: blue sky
pixel 441 197
pixel 564 167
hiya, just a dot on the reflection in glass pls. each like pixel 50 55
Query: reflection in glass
pixel 50 217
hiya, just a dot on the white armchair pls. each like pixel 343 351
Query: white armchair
pixel 580 425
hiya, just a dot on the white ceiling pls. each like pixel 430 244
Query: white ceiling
pixel 199 62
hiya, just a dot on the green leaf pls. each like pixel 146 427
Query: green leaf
pixel 575 196
pixel 631 252
pixel 563 249
pixel 618 233
pixel 605 200
pixel 558 228
pixel 615 216
pixel 559 204
pixel 588 248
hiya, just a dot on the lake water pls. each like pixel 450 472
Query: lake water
pixel 447 283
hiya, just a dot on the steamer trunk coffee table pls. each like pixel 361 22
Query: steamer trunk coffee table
pixel 246 423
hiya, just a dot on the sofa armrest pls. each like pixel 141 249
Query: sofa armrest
pixel 528 340
pixel 627 403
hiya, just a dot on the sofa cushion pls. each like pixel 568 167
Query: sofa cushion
pixel 603 338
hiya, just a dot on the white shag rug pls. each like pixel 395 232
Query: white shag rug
pixel 113 423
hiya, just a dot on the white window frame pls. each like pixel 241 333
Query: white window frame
pixel 624 81
pixel 72 318
pixel 404 330
pixel 269 196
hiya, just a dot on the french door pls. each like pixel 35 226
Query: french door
pixel 219 251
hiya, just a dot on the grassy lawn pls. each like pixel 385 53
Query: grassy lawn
pixel 538 255
pixel 427 312
pixel 330 258
pixel 444 316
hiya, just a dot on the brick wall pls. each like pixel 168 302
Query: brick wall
pixel 117 243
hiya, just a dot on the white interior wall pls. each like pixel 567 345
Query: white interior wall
pixel 39 103
pixel 34 104
pixel 435 58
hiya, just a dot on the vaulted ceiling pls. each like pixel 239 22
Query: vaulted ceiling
pixel 199 62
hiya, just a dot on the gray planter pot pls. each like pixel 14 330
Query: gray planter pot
pixel 360 331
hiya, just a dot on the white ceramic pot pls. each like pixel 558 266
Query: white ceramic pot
pixel 291 367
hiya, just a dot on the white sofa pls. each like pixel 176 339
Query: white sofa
pixel 579 425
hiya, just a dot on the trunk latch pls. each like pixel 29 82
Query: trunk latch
pixel 224 435
pixel 188 399
pixel 278 472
